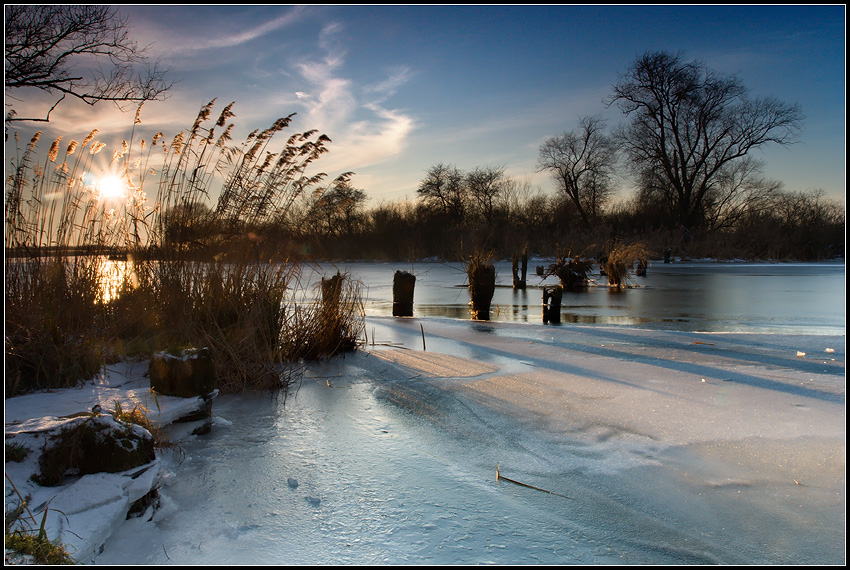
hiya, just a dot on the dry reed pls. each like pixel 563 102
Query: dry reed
pixel 571 271
pixel 621 259
pixel 196 272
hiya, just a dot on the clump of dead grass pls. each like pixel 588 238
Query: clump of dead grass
pixel 572 272
pixel 621 261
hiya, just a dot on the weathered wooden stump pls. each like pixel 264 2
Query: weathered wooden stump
pixel 552 304
pixel 403 285
pixel 333 332
pixel 641 267
pixel 540 269
pixel 331 293
pixel 187 374
pixel 482 285
pixel 519 278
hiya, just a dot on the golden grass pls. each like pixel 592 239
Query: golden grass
pixel 621 259
pixel 197 270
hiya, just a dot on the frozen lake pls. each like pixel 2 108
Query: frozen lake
pixel 674 440
pixel 694 296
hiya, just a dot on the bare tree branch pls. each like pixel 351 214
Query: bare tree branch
pixel 82 51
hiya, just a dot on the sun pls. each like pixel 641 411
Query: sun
pixel 111 187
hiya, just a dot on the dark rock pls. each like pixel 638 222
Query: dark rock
pixel 203 429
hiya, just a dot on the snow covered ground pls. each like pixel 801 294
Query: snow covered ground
pixel 637 447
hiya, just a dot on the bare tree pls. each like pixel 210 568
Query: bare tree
pixel 739 190
pixel 83 51
pixel 688 126
pixel 341 206
pixel 582 163
pixel 485 187
pixel 443 188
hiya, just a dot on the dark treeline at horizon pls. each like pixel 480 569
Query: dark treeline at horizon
pixel 337 224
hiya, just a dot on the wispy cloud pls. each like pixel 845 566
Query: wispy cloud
pixel 372 141
pixel 364 132
pixel 388 87
pixel 244 36
pixel 188 31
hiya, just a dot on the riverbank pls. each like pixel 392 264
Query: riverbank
pixel 672 448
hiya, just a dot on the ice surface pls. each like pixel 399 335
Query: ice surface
pixel 656 448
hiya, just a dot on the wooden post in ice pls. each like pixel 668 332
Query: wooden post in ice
pixel 482 285
pixel 519 282
pixel 552 304
pixel 403 285
pixel 331 323
pixel 331 292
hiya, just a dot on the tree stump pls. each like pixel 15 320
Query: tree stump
pixel 519 279
pixel 185 375
pixel 331 293
pixel 482 285
pixel 93 444
pixel 333 334
pixel 552 304
pixel 403 285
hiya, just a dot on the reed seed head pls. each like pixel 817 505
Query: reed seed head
pixel 88 139
pixel 54 150
pixel 34 140
pixel 226 113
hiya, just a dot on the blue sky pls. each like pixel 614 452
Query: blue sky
pixel 400 88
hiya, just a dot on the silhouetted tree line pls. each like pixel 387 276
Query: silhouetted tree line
pixel 337 223
pixel 686 143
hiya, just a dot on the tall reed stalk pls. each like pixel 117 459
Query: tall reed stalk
pixel 197 272
pixel 57 229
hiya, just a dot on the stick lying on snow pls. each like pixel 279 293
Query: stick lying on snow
pixel 500 477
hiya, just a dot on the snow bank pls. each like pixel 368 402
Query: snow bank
pixel 85 511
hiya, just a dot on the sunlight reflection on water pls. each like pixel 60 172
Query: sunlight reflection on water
pixel 113 276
